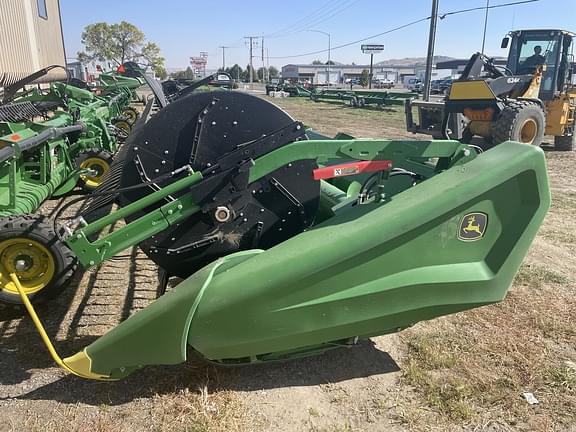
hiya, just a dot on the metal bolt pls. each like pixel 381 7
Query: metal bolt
pixel 165 151
pixel 163 162
pixel 156 170
pixel 234 122
pixel 91 263
pixel 298 127
pixel 135 148
pixel 170 211
pixel 179 207
pixel 261 210
pixel 78 236
pixel 466 152
pixel 213 123
pixel 145 142
pixel 245 220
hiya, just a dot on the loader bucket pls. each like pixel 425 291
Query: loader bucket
pixel 451 243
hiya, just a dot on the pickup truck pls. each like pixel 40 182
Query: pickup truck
pixel 382 83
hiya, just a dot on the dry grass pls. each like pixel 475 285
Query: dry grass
pixel 472 368
pixel 331 118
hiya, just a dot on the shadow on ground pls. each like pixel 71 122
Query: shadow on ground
pixel 335 366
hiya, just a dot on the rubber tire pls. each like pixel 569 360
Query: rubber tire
pixel 66 264
pixel 92 153
pixel 565 142
pixel 513 116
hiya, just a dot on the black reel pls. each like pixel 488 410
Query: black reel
pixel 206 130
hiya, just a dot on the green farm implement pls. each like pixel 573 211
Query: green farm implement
pixel 361 98
pixel 291 89
pixel 288 246
pixel 52 140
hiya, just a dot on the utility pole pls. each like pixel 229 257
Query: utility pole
pixel 251 42
pixel 329 60
pixel 223 57
pixel 263 63
pixel 430 55
pixel 485 25
pixel 371 69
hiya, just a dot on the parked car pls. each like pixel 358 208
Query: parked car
pixel 440 86
pixel 414 84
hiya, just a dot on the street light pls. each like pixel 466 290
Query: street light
pixel 327 34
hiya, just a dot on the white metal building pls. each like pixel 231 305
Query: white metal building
pixel 30 39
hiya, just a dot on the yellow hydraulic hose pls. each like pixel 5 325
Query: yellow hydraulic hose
pixel 80 357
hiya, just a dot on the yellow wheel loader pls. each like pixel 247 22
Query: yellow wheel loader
pixel 532 96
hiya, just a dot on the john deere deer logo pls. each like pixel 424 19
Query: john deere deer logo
pixel 473 226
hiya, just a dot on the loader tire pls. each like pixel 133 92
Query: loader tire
pixel 565 142
pixel 97 160
pixel 43 263
pixel 521 121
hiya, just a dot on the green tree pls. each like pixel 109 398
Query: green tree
pixel 235 72
pixel 365 77
pixel 317 62
pixel 246 75
pixel 120 43
pixel 273 72
pixel 184 74
pixel 150 56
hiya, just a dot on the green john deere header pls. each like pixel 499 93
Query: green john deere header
pixel 290 246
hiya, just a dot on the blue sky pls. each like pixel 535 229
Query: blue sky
pixel 183 28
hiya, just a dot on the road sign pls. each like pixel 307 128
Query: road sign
pixel 372 49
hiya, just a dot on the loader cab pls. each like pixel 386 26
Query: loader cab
pixel 551 48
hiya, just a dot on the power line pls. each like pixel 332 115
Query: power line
pixel 304 20
pixel 357 41
pixel 484 7
pixel 338 9
pixel 403 27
